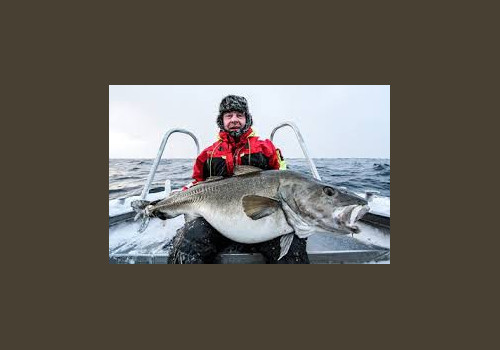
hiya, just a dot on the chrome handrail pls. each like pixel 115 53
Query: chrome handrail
pixel 160 153
pixel 301 143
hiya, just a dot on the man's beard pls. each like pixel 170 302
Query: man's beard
pixel 236 133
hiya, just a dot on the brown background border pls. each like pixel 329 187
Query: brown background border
pixel 60 62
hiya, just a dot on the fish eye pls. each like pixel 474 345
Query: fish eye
pixel 329 191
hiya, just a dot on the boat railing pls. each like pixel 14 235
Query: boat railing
pixel 302 144
pixel 160 153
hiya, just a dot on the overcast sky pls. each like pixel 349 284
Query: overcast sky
pixel 336 121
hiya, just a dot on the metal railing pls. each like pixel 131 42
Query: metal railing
pixel 160 153
pixel 301 143
pixel 184 131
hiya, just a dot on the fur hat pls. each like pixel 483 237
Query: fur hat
pixel 234 103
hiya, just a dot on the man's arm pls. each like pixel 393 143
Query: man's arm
pixel 276 160
pixel 198 167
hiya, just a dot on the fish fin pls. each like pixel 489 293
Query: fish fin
pixel 143 209
pixel 245 169
pixel 300 226
pixel 285 243
pixel 258 207
pixel 139 205
pixel 144 224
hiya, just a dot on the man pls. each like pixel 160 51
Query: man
pixel 237 144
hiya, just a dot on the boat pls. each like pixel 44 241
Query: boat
pixel 127 246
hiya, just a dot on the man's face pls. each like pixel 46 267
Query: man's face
pixel 234 121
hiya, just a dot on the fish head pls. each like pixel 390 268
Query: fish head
pixel 322 206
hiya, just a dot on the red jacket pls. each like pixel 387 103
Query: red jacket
pixel 220 158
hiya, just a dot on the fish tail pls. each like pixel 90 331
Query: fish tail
pixel 140 207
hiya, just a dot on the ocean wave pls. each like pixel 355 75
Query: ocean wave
pixel 357 175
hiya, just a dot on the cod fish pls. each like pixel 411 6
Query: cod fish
pixel 255 206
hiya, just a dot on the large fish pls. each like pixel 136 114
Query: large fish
pixel 256 206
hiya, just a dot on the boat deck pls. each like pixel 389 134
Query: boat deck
pixel 126 246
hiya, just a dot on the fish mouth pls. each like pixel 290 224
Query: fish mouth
pixel 345 219
pixel 356 213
